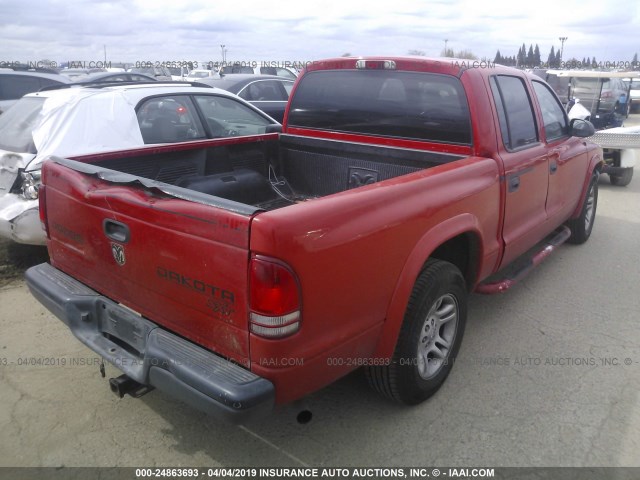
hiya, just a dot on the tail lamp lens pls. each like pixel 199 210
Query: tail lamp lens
pixel 42 209
pixel 274 298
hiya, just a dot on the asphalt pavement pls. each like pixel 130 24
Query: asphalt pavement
pixel 548 375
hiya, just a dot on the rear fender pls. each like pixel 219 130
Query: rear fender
pixel 596 163
pixel 430 241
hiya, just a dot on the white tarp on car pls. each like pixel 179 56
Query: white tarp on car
pixel 69 126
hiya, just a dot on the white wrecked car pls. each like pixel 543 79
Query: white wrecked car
pixel 83 120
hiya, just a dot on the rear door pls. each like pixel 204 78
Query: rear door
pixel 526 166
pixel 568 158
pixel 164 252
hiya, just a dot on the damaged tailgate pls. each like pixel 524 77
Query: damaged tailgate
pixel 147 244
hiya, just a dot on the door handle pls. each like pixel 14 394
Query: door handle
pixel 116 231
pixel 514 183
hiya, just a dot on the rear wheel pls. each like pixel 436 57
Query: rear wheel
pixel 429 338
pixel 622 180
pixel 582 226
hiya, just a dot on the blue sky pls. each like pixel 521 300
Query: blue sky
pixel 157 30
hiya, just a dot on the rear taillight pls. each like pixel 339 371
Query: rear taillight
pixel 274 298
pixel 42 209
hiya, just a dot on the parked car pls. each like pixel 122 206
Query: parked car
pixel 16 84
pixel 77 73
pixel 259 70
pixel 199 74
pixel 267 92
pixel 55 122
pixel 159 73
pixel 115 77
pixel 23 67
pixel 179 74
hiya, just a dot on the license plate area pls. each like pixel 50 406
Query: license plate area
pixel 124 327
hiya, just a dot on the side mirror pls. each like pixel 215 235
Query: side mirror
pixel 581 128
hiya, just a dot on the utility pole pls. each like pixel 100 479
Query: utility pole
pixel 223 54
pixel 562 40
pixel 445 47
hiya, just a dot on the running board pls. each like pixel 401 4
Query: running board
pixel 507 278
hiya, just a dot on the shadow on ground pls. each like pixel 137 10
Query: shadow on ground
pixel 16 258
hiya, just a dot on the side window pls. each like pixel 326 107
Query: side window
pixel 411 105
pixel 116 78
pixel 263 90
pixel 497 98
pixel 13 87
pixel 283 72
pixel 227 117
pixel 268 71
pixel 139 78
pixel 236 68
pixel 553 116
pixel 45 82
pixel 288 86
pixel 518 124
pixel 169 119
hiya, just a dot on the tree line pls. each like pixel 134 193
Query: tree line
pixel 531 58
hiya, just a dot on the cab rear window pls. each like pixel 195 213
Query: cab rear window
pixel 412 105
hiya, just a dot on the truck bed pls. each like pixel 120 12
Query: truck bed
pixel 276 173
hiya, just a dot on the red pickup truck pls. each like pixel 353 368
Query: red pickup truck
pixel 244 272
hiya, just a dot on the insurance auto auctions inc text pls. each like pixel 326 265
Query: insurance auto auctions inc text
pixel 406 472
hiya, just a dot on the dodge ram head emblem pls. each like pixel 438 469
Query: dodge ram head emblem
pixel 118 253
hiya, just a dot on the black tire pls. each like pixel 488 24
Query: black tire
pixel 622 180
pixel 414 374
pixel 582 226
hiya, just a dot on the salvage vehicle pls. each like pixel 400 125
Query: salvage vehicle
pixel 240 273
pixel 101 117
